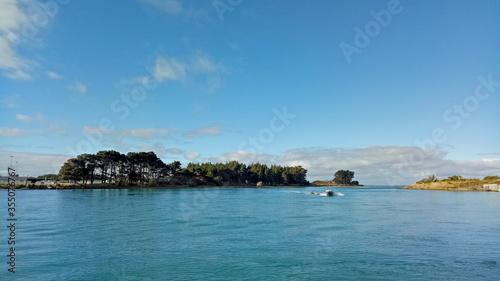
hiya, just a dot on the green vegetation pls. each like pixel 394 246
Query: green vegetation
pixel 342 178
pixel 433 178
pixel 145 168
pixel 51 177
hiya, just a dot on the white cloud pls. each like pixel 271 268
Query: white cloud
pixel 192 155
pixel 175 8
pixel 244 157
pixel 176 151
pixel 208 70
pixel 206 131
pixel 386 165
pixel 32 164
pixel 136 139
pixel 50 129
pixel 45 128
pixel 203 64
pixel 25 118
pixel 169 69
pixel 158 149
pixel 79 88
pixel 198 70
pixel 12 132
pixel 375 164
pixel 12 18
pixel 18 27
pixel 117 137
pixel 53 75
pixel 14 66
pixel 145 133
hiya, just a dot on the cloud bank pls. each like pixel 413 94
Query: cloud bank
pixel 384 165
pixel 32 164
pixel 374 165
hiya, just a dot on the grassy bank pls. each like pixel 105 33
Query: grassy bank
pixel 455 184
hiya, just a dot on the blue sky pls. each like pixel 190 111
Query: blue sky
pixel 393 90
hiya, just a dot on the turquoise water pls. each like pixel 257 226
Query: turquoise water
pixel 371 233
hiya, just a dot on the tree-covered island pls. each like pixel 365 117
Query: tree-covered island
pixel 144 169
pixel 341 178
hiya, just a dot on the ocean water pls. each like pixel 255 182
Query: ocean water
pixel 371 233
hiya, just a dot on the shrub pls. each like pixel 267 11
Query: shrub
pixel 429 179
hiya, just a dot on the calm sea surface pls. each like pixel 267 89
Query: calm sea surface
pixel 371 233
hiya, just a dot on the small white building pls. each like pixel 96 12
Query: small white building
pixel 493 187
pixel 18 180
pixel 45 182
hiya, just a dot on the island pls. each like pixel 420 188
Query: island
pixel 112 169
pixel 343 178
pixel 457 183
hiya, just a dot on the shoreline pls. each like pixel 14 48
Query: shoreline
pixel 338 185
pixel 331 184
pixel 459 189
pixel 449 190
pixel 116 186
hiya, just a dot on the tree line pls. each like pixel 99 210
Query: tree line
pixel 146 168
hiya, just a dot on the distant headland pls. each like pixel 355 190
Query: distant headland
pixel 457 183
